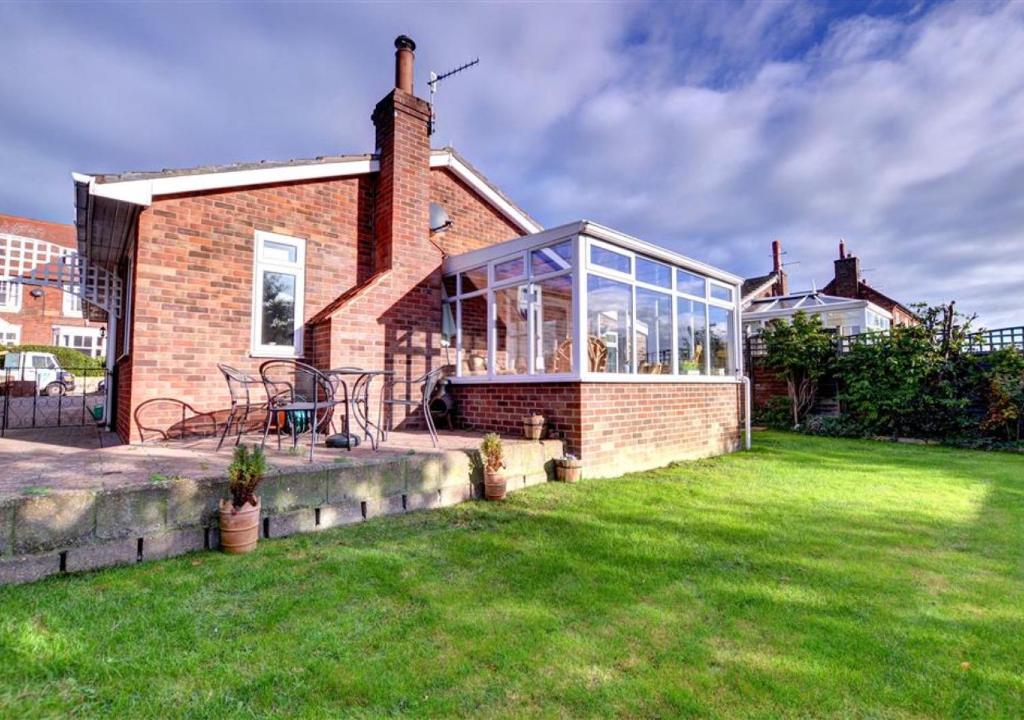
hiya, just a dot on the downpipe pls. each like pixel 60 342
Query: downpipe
pixel 746 408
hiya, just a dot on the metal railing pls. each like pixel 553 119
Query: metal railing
pixel 39 398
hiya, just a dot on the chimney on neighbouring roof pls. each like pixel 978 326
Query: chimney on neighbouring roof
pixel 401 212
pixel 781 285
pixel 405 53
pixel 847 274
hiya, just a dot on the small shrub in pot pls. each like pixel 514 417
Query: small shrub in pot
pixel 240 514
pixel 494 462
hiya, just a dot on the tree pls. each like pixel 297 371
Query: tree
pixel 802 352
pixel 1005 394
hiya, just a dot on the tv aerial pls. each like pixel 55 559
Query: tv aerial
pixel 432 84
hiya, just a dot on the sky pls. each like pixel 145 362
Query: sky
pixel 709 128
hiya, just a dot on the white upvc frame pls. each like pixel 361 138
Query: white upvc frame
pixel 262 265
pixel 581 267
pixel 7 329
pixel 12 301
pixel 98 335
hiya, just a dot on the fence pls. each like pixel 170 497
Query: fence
pixel 32 397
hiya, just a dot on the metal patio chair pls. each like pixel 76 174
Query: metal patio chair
pixel 240 388
pixel 300 399
pixel 428 384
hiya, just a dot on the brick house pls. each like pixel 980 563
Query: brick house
pixel 42 315
pixel 848 283
pixel 333 260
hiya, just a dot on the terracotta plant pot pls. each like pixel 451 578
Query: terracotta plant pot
pixel 569 471
pixel 239 529
pixel 494 485
pixel 533 427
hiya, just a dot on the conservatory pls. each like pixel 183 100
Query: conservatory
pixel 584 302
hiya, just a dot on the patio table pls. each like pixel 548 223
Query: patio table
pixel 359 398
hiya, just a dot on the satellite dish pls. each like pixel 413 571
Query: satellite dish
pixel 439 219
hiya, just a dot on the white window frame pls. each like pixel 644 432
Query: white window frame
pixel 7 328
pixel 13 302
pixel 261 265
pixel 98 348
pixel 68 303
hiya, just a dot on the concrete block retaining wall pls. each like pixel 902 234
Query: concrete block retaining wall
pixel 70 531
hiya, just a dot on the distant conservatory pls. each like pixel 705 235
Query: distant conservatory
pixel 583 302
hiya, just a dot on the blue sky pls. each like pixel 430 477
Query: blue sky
pixel 711 128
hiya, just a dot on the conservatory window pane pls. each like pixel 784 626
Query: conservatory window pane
pixel 689 283
pixel 720 292
pixel 692 336
pixel 474 336
pixel 551 259
pixel 653 273
pixel 721 334
pixel 653 332
pixel 450 289
pixel 475 279
pixel 609 259
pixel 448 324
pixel 609 320
pixel 554 325
pixel 511 329
pixel 514 268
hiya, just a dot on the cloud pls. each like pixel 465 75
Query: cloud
pixel 708 127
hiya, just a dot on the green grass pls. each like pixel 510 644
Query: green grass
pixel 808 578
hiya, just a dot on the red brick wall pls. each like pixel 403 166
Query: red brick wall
pixel 38 315
pixel 369 258
pixel 615 427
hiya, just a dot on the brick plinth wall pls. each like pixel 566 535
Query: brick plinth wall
pixel 615 427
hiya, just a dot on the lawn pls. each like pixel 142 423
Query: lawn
pixel 806 578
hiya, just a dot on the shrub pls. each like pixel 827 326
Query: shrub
pixel 832 426
pixel 245 474
pixel 802 352
pixel 775 414
pixel 493 453
pixel 1005 395
pixel 70 359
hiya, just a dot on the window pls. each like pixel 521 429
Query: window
pixel 653 273
pixel 10 296
pixel 473 280
pixel 72 303
pixel 278 287
pixel 10 334
pixel 474 335
pixel 653 332
pixel 554 325
pixel 511 326
pixel 720 332
pixel 86 340
pixel 721 292
pixel 609 324
pixel 607 258
pixel 692 337
pixel 551 259
pixel 690 284
pixel 509 270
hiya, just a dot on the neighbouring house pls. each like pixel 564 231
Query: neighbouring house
pixel 631 351
pixel 847 304
pixel 41 314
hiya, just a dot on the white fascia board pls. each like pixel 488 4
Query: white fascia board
pixel 142 192
pixel 464 173
pixel 645 248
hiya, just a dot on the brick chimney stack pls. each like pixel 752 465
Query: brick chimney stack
pixel 781 286
pixel 401 214
pixel 847 274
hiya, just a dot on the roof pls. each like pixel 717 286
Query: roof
pixel 874 295
pixel 809 301
pixel 753 286
pixel 140 187
pixel 474 258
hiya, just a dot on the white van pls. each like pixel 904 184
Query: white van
pixel 41 368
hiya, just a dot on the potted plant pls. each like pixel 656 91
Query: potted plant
pixel 690 367
pixel 494 461
pixel 568 468
pixel 240 515
pixel 533 426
